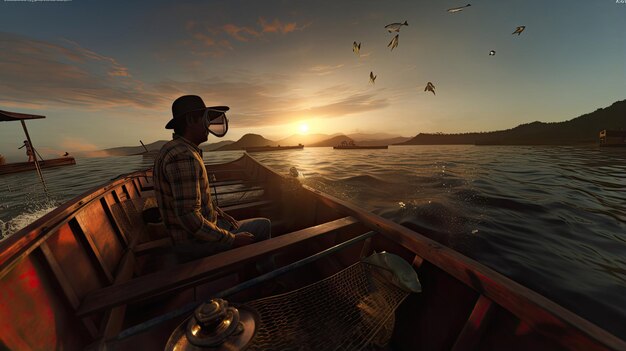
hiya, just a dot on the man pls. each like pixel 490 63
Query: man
pixel 197 226
pixel 29 151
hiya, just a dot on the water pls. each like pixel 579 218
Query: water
pixel 551 218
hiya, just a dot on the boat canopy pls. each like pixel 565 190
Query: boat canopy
pixel 6 116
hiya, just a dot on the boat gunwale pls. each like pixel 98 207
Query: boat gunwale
pixel 484 280
pixel 27 239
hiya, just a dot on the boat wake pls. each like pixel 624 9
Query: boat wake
pixel 13 225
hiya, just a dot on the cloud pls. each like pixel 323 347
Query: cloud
pixel 276 26
pixel 234 31
pixel 213 41
pixel 322 70
pixel 42 75
pixel 38 73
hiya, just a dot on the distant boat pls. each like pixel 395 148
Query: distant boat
pixel 30 166
pixel 360 147
pixel 38 163
pixel 350 145
pixel 613 138
pixel 272 148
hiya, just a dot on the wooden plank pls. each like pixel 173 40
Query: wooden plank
pixel 237 207
pixel 94 252
pixel 235 182
pixel 190 274
pixel 542 314
pixel 115 318
pixel 68 291
pixel 28 239
pixel 475 326
pixel 150 246
pixel 243 190
pixel 116 225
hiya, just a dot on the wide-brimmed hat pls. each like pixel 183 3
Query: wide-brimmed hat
pixel 192 103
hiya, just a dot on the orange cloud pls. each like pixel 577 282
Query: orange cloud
pixel 276 26
pixel 234 31
pixel 35 73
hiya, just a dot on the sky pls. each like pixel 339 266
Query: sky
pixel 105 73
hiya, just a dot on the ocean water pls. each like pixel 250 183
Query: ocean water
pixel 551 218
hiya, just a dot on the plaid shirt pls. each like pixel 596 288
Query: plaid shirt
pixel 182 190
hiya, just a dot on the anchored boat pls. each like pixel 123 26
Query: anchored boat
pixel 93 275
pixel 38 163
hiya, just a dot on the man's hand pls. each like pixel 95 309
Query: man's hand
pixel 242 239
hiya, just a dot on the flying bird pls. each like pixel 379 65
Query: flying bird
pixel 458 9
pixel 395 27
pixel 372 78
pixel 356 47
pixel 394 42
pixel 430 87
pixel 492 53
pixel 519 30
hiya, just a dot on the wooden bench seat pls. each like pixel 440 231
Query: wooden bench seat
pixel 196 272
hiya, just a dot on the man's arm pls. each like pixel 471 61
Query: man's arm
pixel 184 176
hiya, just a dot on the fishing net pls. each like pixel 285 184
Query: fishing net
pixel 351 310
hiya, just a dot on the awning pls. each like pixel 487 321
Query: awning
pixel 6 116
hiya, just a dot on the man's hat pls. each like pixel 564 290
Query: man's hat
pixel 192 103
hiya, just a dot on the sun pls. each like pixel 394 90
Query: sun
pixel 304 128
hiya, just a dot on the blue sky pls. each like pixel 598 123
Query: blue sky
pixel 105 72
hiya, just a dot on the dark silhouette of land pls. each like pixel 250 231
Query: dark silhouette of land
pixel 584 129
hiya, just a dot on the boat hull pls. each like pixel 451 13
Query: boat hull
pixel 359 147
pixel 30 166
pixel 96 276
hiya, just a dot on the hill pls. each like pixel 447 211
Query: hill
pixel 580 130
pixel 248 140
pixel 334 141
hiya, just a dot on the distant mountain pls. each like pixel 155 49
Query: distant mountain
pixel 304 139
pixel 215 146
pixel 372 136
pixel 580 130
pixel 248 140
pixel 391 141
pixel 331 142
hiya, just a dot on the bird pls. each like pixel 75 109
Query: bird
pixel 395 27
pixel 356 47
pixel 492 53
pixel 372 78
pixel 458 9
pixel 394 42
pixel 430 87
pixel 66 154
pixel 519 30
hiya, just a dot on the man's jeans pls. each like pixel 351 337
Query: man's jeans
pixel 261 228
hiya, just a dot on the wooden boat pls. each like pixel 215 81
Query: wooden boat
pixel 92 275
pixel 273 148
pixel 30 166
pixel 359 147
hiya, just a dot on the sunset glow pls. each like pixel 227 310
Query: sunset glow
pixel 304 128
pixel 275 64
